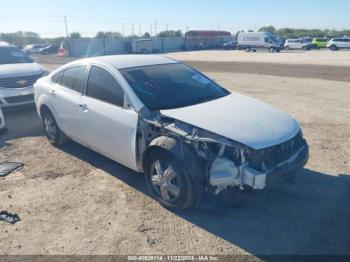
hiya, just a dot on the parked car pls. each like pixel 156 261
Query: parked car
pixel 229 45
pixel 319 42
pixel 32 49
pixel 291 44
pixel 253 41
pixel 50 49
pixel 2 121
pixel 18 73
pixel 158 116
pixel 338 43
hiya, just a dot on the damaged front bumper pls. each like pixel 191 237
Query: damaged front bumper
pixel 222 175
pixel 257 180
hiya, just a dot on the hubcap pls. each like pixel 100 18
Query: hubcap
pixel 50 127
pixel 165 180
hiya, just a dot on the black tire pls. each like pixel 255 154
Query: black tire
pixel 334 48
pixel 287 48
pixel 189 189
pixel 53 133
pixel 272 49
pixel 248 50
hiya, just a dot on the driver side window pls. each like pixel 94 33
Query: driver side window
pixel 103 86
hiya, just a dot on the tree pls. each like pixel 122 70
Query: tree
pixel 146 35
pixel 170 33
pixel 75 35
pixel 270 29
pixel 102 34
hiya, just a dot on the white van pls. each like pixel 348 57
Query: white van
pixel 253 41
pixel 297 44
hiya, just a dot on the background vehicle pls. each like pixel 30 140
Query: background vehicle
pixel 253 41
pixel 18 73
pixel 319 42
pixel 297 44
pixel 32 49
pixel 338 43
pixel 142 46
pixel 230 45
pixel 50 49
pixel 161 117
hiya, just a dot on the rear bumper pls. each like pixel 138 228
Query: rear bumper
pixel 10 97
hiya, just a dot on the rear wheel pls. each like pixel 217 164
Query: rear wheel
pixel 52 131
pixel 170 181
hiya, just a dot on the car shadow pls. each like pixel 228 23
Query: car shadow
pixel 20 122
pixel 305 214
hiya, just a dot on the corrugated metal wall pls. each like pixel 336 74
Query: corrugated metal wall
pixel 87 47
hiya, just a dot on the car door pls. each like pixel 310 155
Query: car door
pixel 110 128
pixel 66 95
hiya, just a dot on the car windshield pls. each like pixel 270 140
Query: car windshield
pixel 12 55
pixel 171 86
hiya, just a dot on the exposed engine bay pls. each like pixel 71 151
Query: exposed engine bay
pixel 227 163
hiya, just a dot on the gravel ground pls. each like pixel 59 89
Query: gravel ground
pixel 74 201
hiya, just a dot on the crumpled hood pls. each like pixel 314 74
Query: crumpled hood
pixel 18 70
pixel 240 118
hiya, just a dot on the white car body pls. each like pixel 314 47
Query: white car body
pixel 296 44
pixel 17 80
pixel 2 120
pixel 339 43
pixel 126 132
pixel 32 49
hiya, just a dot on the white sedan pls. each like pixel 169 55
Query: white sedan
pixel 155 115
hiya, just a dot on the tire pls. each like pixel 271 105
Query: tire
pixel 287 48
pixel 334 48
pixel 248 50
pixel 272 49
pixel 170 182
pixel 53 133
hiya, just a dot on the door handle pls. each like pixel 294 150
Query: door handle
pixel 84 107
pixel 53 93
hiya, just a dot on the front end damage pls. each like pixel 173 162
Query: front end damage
pixel 227 163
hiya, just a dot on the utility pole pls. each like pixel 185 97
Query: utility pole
pixel 167 27
pixel 65 22
pixel 151 27
pixel 132 29
pixel 155 27
pixel 123 29
pixel 140 29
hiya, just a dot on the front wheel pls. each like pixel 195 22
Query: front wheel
pixel 169 181
pixel 51 129
pixel 272 49
pixel 334 48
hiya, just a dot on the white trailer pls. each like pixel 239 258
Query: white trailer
pixel 142 46
pixel 253 41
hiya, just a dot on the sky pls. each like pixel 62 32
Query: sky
pixel 140 16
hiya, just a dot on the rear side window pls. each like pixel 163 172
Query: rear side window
pixel 72 78
pixel 103 86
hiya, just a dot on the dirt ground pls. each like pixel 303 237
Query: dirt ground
pixel 74 201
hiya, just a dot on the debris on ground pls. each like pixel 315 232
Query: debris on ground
pixel 8 217
pixel 8 167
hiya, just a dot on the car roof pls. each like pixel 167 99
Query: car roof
pixel 128 61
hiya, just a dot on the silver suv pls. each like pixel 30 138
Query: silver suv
pixel 297 44
pixel 339 43
pixel 18 73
